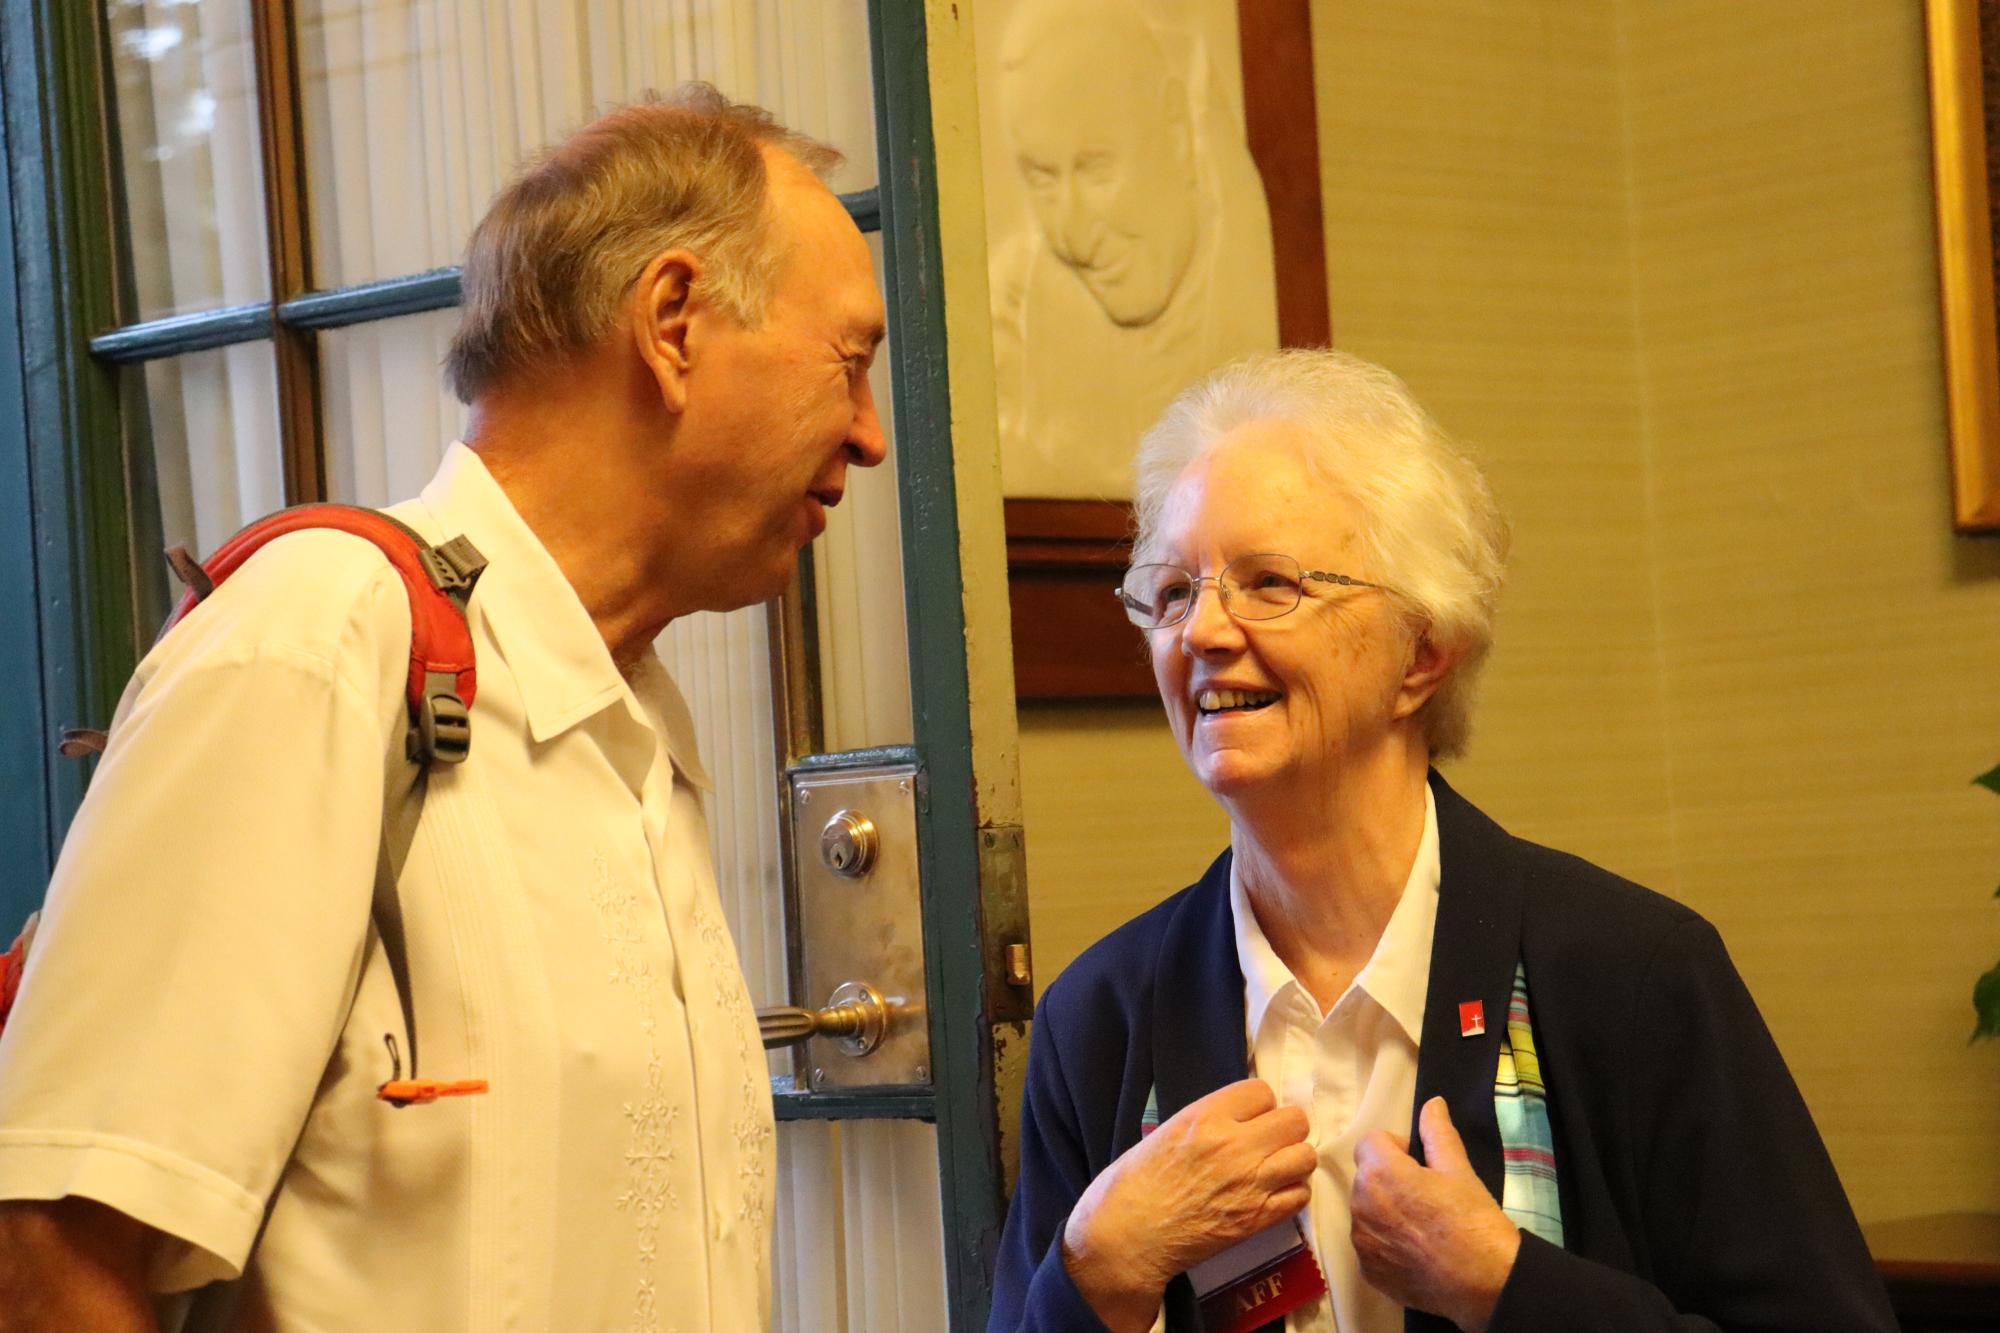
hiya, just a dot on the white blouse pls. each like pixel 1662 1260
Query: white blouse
pixel 1352 1069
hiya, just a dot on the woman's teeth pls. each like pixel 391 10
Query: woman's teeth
pixel 1216 701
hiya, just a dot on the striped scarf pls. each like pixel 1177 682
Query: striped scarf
pixel 1527 1145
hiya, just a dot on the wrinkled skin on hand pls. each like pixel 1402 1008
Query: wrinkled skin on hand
pixel 1430 1236
pixel 1222 1169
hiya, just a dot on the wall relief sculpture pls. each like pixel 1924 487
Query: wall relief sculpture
pixel 1128 228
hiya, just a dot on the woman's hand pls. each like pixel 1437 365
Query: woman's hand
pixel 1431 1236
pixel 1223 1169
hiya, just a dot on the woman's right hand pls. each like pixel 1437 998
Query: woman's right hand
pixel 1223 1169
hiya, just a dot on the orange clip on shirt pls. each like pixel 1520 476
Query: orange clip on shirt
pixel 422 1091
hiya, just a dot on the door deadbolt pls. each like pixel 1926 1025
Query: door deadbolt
pixel 847 844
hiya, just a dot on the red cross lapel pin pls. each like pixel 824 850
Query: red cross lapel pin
pixel 1471 1018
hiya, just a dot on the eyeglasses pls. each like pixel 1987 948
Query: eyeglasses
pixel 1252 587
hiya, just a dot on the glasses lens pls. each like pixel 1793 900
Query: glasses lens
pixel 1155 595
pixel 1261 586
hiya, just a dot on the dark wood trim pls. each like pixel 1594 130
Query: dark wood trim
pixel 1071 640
pixel 1942 1270
pixel 287 233
pixel 1281 121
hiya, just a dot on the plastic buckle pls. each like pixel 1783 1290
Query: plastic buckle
pixel 454 566
pixel 442 731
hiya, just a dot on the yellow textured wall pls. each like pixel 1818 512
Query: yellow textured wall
pixel 1831 653
pixel 1669 268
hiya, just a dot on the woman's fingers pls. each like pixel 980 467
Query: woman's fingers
pixel 1284 1203
pixel 1245 1099
pixel 1291 1164
pixel 1280 1126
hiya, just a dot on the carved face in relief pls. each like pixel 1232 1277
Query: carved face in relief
pixel 1102 135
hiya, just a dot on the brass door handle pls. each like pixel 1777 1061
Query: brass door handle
pixel 856 1016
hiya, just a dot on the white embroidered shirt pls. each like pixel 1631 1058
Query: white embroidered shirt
pixel 200 1032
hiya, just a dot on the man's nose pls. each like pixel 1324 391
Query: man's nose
pixel 867 443
pixel 1077 228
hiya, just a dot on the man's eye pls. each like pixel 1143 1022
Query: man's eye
pixel 1174 595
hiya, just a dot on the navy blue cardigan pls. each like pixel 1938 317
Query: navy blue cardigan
pixel 1696 1193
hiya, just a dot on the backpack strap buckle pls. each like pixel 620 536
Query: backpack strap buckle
pixel 441 727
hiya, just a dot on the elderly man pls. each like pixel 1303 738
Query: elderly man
pixel 667 329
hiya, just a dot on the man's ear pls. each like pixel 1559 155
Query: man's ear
pixel 1429 665
pixel 661 311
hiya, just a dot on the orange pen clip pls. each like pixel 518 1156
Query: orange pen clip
pixel 400 1092
pixel 419 1091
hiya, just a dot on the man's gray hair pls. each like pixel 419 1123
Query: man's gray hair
pixel 1430 527
pixel 550 263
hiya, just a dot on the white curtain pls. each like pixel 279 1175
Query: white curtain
pixel 185 82
pixel 416 112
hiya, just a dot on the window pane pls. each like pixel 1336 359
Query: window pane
pixel 417 111
pixel 184 80
pixel 216 465
pixel 388 415
pixel 864 648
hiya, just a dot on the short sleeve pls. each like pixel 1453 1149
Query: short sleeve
pixel 206 924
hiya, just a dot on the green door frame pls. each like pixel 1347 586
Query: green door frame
pixel 61 425
pixel 959 949
pixel 65 533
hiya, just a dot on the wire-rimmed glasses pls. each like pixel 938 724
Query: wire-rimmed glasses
pixel 1262 586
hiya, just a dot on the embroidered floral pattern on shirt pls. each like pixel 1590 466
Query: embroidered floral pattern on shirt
pixel 752 1126
pixel 649 1151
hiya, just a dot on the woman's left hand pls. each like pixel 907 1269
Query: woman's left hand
pixel 1430 1236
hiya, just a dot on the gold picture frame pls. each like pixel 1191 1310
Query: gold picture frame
pixel 1964 40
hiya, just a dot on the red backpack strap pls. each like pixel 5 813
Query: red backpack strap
pixel 442 682
pixel 439 581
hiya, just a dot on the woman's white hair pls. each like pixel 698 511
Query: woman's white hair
pixel 1430 527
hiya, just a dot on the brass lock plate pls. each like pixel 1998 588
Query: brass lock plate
pixel 860 915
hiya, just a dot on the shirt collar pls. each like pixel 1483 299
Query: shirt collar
pixel 558 658
pixel 1397 975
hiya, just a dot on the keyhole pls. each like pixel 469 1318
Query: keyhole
pixel 847 844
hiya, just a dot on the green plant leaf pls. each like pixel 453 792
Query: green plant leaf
pixel 1986 1004
pixel 1990 779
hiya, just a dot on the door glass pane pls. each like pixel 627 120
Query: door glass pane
pixel 874 1186
pixel 417 111
pixel 858 568
pixel 214 419
pixel 388 415
pixel 184 83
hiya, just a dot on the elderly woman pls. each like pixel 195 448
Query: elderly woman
pixel 1492 1084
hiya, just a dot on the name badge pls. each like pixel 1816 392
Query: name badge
pixel 1257 1280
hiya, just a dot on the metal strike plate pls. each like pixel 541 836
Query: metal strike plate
pixel 860 913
